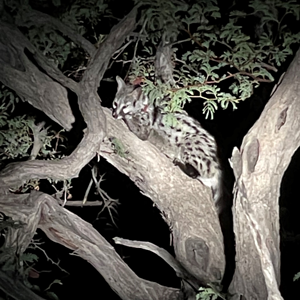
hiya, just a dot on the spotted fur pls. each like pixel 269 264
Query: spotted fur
pixel 190 146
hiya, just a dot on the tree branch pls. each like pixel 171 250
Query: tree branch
pixel 16 174
pixel 185 203
pixel 162 253
pixel 19 73
pixel 99 62
pixel 67 229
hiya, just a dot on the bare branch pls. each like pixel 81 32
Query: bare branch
pixel 109 203
pixel 67 229
pixel 162 253
pixel 80 204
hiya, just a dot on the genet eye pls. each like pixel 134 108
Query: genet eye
pixel 126 109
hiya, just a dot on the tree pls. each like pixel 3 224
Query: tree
pixel 185 203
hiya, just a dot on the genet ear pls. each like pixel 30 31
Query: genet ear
pixel 136 93
pixel 121 83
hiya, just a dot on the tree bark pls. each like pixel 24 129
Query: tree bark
pixel 39 210
pixel 185 203
pixel 259 166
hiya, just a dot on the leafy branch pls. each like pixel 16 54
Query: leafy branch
pixel 219 51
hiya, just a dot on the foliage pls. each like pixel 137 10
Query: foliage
pixel 16 139
pixel 208 294
pixel 18 134
pixel 297 276
pixel 216 58
pixel 219 50
pixel 81 16
pixel 21 138
pixel 53 45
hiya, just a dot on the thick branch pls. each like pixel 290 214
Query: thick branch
pixel 67 229
pixel 19 73
pixel 197 237
pixel 185 203
pixel 259 167
pixel 99 62
pixel 16 174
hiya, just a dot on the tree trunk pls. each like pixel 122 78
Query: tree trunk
pixel 258 167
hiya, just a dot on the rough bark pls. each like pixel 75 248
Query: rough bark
pixel 19 73
pixel 88 100
pixel 185 203
pixel 38 210
pixel 259 166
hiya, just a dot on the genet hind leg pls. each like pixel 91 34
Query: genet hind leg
pixel 186 168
